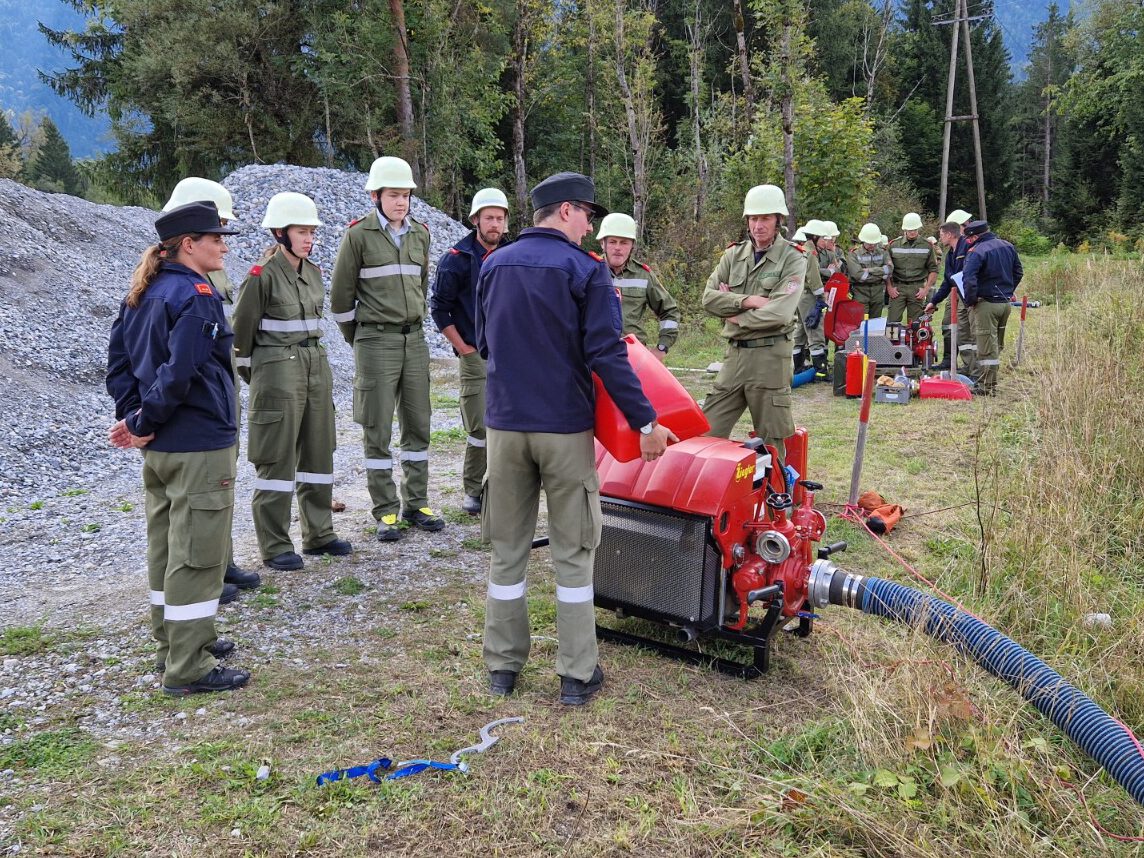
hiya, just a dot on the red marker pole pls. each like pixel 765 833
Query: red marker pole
pixel 1021 330
pixel 863 423
pixel 953 296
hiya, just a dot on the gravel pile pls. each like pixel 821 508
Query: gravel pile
pixel 72 532
pixel 70 505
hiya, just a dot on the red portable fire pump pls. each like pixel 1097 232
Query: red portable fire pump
pixel 701 536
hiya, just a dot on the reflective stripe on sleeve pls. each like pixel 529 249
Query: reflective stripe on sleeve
pixel 289 326
pixel 507 592
pixel 157 599
pixel 475 442
pixel 668 325
pixel 194 611
pixel 379 464
pixel 573 595
pixel 320 479
pixel 415 455
pixel 388 270
pixel 344 317
pixel 242 361
pixel 273 485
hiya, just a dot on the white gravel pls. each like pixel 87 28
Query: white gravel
pixel 71 528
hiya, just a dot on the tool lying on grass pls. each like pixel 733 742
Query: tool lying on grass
pixel 413 767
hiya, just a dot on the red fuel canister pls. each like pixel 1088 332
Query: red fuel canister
pixel 674 406
pixel 855 363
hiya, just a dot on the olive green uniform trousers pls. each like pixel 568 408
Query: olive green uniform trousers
pixel 392 375
pixel 474 374
pixel 966 339
pixel 758 379
pixel 906 304
pixel 290 441
pixel 519 463
pixel 871 295
pixel 190 503
pixel 989 320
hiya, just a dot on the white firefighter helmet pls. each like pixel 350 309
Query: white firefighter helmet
pixel 912 220
pixel 290 209
pixel 617 225
pixel 799 234
pixel 194 190
pixel 764 200
pixel 390 172
pixel 487 197
pixel 959 216
pixel 870 234
pixel 815 227
pixel 830 229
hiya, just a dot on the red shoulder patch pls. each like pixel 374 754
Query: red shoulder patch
pixel 454 251
pixel 204 289
pixel 646 268
pixel 595 256
pixel 729 246
pixel 800 248
pixel 255 270
pixel 356 221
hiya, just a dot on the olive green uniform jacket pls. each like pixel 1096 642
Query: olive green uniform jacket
pixel 640 291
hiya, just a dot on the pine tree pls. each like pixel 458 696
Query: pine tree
pixel 51 167
pixel 10 161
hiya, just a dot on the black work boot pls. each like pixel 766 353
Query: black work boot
pixel 423 518
pixel 502 683
pixel 334 548
pixel 574 692
pixel 821 371
pixel 219 679
pixel 240 578
pixel 219 649
pixel 229 594
pixel 287 561
pixel 799 360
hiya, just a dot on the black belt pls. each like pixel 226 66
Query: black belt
pixel 759 343
pixel 392 329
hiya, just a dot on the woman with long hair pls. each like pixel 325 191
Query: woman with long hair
pixel 169 370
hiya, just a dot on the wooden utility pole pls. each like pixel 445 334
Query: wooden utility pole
pixel 960 22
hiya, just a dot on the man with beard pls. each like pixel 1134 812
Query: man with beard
pixel 453 305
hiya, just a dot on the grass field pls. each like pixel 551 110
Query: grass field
pixel 865 739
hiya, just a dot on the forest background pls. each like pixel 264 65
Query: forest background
pixel 674 106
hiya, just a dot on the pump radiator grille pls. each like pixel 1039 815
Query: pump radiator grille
pixel 658 564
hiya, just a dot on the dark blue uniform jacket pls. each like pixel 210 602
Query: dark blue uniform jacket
pixel 544 321
pixel 169 365
pixel 453 300
pixel 954 262
pixel 992 270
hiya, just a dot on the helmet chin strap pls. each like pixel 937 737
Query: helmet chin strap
pixel 382 211
pixel 284 239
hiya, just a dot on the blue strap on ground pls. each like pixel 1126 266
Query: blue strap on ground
pixel 369 770
pixel 414 767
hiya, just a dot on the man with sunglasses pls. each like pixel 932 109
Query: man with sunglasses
pixel 545 324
